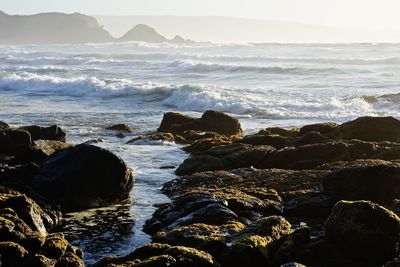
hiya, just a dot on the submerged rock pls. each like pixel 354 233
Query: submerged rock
pixel 364 231
pixel 120 128
pixel 211 121
pixel 84 176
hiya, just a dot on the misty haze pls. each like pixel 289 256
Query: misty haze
pixel 204 134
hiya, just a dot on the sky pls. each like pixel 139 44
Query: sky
pixel 363 14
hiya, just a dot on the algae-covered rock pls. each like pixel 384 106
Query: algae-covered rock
pixel 11 254
pixel 364 231
pixel 155 254
pixel 209 238
pixel 69 260
pixel 55 246
pixel 378 182
pixel 49 147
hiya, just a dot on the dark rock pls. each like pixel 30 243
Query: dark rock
pixel 120 128
pixel 120 135
pixel 378 183
pixel 45 133
pixel 83 177
pixel 11 139
pixel 226 157
pixel 364 231
pixel 323 128
pixel 312 138
pixel 12 254
pixel 202 163
pixel 371 129
pixel 161 255
pixel 307 157
pixel 214 121
pixel 211 121
pixel 275 141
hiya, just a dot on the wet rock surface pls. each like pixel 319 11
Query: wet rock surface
pixel 320 195
pixel 210 121
pixel 84 176
pixel 286 197
pixel 37 169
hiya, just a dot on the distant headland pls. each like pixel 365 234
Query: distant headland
pixel 50 28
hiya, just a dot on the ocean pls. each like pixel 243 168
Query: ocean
pixel 84 88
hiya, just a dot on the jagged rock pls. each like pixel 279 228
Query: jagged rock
pixel 365 231
pixel 29 212
pixel 379 182
pixel 120 128
pixel 211 121
pixel 161 255
pixel 255 244
pixel 83 177
pixel 45 133
pixel 371 129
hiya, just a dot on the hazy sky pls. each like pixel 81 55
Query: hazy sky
pixel 367 14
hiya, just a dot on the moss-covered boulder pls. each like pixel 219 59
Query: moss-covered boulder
pixel 55 246
pixel 256 244
pixel 210 238
pixel 365 231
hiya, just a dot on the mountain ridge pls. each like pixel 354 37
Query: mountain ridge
pixel 56 27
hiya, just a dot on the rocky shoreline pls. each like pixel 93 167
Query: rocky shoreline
pixel 320 195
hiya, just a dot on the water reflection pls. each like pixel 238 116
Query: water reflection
pixel 100 231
